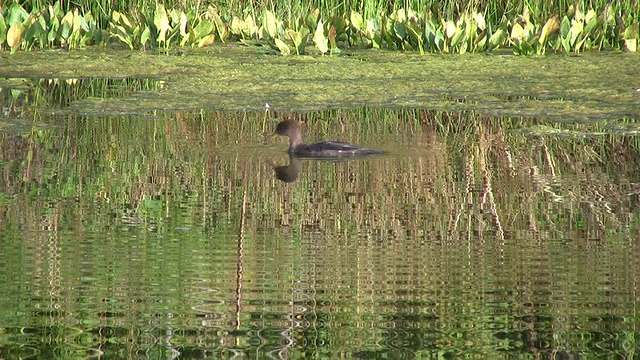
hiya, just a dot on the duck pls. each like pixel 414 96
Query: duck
pixel 325 149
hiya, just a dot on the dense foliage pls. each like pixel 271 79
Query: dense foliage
pixel 286 28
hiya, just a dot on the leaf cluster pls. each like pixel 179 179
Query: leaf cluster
pixel 401 29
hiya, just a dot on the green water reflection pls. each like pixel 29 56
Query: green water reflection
pixel 168 235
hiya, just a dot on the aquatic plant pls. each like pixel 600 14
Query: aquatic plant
pixel 470 30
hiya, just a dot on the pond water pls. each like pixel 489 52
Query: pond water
pixel 173 235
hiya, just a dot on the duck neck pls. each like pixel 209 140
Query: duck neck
pixel 295 141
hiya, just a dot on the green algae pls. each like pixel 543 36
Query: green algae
pixel 590 87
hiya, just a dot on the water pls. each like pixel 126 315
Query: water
pixel 170 235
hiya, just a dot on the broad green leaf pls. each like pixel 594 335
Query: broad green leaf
pixel 187 38
pixel 439 40
pixel 497 38
pixel 320 39
pixel 479 19
pixel 416 37
pixel 463 48
pixel 31 29
pixel 161 21
pixel 3 31
pixel 68 19
pixel 517 32
pixel 371 29
pixel 450 29
pixel 526 48
pixel 429 32
pixel 299 40
pixel 250 26
pixel 66 25
pixel 356 20
pixel 631 32
pixel 77 21
pixel 376 41
pixel 312 19
pixel 577 28
pixel 339 23
pixel 16 14
pixel 332 37
pixel 174 16
pixel 207 40
pixel 221 27
pixel 630 37
pixel 295 37
pixel 54 30
pixel 270 24
pixel 237 26
pixel 145 36
pixel 204 27
pixel 550 27
pixel 470 30
pixel 121 34
pixel 578 15
pixel 284 48
pixel 183 24
pixel 458 37
pixel 529 31
pixel 87 23
pixel 399 31
pixel 481 41
pixel 124 20
pixel 591 21
pixel 415 33
pixel 14 36
pixel 401 15
pixel 631 45
pixel 565 28
pixel 566 43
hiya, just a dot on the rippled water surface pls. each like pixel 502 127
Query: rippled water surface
pixel 173 235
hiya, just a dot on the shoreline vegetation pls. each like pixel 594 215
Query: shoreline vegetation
pixel 327 27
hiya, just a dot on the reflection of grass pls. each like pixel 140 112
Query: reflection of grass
pixel 451 179
pixel 207 159
pixel 19 95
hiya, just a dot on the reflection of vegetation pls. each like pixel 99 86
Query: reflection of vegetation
pixel 448 28
pixel 162 193
pixel 18 95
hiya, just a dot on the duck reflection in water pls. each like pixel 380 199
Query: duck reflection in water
pixel 325 149
pixel 288 173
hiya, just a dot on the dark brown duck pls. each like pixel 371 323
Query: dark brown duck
pixel 325 149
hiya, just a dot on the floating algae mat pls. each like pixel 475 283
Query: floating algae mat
pixel 593 86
